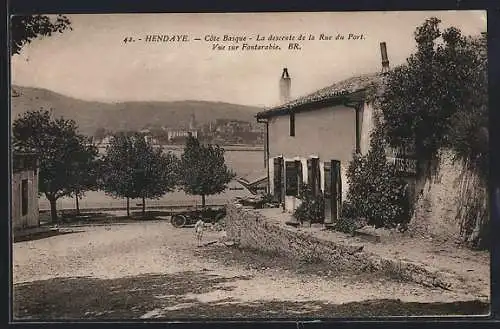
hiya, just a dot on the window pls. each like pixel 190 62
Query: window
pixel 24 197
pixel 292 124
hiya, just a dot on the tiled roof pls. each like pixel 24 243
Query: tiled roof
pixel 337 91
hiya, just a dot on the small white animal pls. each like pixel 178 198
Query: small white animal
pixel 198 230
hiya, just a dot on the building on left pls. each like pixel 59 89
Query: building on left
pixel 24 202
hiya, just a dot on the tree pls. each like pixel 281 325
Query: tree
pixel 26 28
pixel 439 100
pixel 155 171
pixel 100 133
pixel 61 151
pixel 203 170
pixel 430 101
pixel 85 167
pixel 117 169
pixel 132 168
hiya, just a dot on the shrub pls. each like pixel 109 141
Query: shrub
pixel 312 207
pixel 375 191
pixel 347 225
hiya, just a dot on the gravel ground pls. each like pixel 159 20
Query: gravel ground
pixel 151 270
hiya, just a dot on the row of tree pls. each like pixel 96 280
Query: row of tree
pixel 131 167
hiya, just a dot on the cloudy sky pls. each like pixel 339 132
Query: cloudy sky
pixel 92 62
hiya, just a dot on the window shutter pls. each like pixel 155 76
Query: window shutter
pixel 291 187
pixel 300 180
pixel 314 175
pixel 277 179
pixel 24 197
pixel 336 189
pixel 310 174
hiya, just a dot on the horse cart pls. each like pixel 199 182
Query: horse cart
pixel 210 215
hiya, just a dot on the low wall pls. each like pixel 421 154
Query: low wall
pixel 250 229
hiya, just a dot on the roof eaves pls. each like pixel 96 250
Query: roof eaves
pixel 312 104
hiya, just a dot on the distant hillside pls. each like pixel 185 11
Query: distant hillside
pixel 91 115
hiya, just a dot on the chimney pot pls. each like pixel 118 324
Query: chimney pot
pixel 385 59
pixel 285 74
pixel 285 86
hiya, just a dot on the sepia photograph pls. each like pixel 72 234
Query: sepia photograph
pixel 239 166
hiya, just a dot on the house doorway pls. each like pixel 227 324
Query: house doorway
pixel 278 180
pixel 333 191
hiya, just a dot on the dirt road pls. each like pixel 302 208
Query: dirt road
pixel 152 270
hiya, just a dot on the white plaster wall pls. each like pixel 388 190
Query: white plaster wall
pixel 31 219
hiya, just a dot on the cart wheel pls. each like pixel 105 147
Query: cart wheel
pixel 219 216
pixel 178 220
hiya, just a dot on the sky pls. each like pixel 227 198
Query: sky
pixel 92 62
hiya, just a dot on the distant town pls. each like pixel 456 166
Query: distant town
pixel 219 131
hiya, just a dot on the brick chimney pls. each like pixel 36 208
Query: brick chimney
pixel 285 86
pixel 385 59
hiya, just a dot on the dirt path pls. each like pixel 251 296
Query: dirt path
pixel 151 269
pixel 473 267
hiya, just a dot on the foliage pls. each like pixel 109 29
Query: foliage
pixel 84 165
pixel 26 28
pixel 347 225
pixel 312 206
pixel 133 168
pixel 63 154
pixel 203 170
pixel 100 133
pixel 439 99
pixel 375 193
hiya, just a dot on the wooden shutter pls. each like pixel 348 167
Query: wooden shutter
pixel 278 169
pixel 291 187
pixel 336 189
pixel 24 197
pixel 328 192
pixel 310 176
pixel 300 180
pixel 316 176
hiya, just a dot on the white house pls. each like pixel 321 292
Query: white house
pixel 24 204
pixel 313 138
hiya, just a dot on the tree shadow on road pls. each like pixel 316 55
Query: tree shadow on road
pixel 42 235
pixel 164 296
pixel 122 298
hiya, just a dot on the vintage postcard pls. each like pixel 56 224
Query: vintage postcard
pixel 249 165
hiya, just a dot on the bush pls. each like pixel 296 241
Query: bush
pixel 375 192
pixel 347 225
pixel 312 207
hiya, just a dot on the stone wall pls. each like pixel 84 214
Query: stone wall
pixel 436 211
pixel 250 229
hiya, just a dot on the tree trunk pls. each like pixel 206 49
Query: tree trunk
pixel 77 205
pixel 53 210
pixel 203 200
pixel 143 207
pixel 128 207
